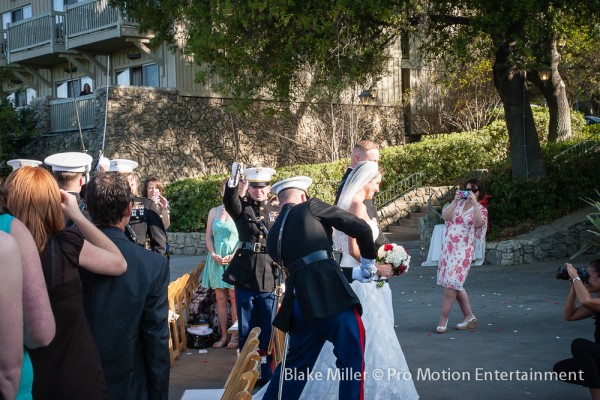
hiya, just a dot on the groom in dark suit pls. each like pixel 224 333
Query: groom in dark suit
pixel 127 313
pixel 365 150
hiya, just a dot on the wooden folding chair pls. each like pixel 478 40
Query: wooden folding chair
pixel 243 396
pixel 241 379
pixel 181 306
pixel 276 347
pixel 174 342
pixel 184 298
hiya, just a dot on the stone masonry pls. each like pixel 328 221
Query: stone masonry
pixel 174 137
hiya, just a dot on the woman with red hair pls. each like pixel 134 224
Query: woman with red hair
pixel 69 368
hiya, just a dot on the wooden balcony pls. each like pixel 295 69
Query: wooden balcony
pixel 96 26
pixel 36 40
pixel 68 114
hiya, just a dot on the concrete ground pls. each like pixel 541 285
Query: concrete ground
pixel 521 330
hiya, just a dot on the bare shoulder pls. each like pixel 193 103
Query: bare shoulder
pixel 358 208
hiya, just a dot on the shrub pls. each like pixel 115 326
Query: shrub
pixel 191 199
pixel 443 160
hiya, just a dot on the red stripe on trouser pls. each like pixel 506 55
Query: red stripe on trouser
pixel 361 329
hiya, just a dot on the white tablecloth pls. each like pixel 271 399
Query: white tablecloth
pixel 435 248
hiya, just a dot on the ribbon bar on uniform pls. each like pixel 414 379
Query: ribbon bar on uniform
pixel 253 247
pixel 313 257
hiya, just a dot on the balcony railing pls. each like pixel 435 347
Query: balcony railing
pixel 42 30
pixel 64 112
pixel 93 16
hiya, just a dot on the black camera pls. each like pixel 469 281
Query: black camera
pixel 563 274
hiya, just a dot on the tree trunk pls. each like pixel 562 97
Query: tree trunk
pixel 555 94
pixel 524 146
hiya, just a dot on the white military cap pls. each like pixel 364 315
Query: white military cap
pixel 21 162
pixel 259 176
pixel 103 164
pixel 122 165
pixel 69 162
pixel 296 182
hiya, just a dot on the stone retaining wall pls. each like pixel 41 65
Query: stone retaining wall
pixel 409 202
pixel 174 136
pixel 562 238
pixel 187 243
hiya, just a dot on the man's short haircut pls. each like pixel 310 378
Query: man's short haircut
pixel 364 146
pixel 107 196
pixel 64 177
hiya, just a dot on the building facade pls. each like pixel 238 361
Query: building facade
pixel 55 48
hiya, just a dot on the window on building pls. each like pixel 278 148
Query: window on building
pixel 21 98
pixel 143 75
pixel 16 15
pixel 73 87
pixel 60 5
pixel 405 46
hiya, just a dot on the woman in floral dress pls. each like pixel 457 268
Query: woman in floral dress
pixel 466 220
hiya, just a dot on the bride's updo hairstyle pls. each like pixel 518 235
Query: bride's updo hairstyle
pixel 363 173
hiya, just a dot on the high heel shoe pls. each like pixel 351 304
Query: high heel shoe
pixel 442 329
pixel 470 323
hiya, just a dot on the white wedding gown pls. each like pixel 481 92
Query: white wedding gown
pixel 387 376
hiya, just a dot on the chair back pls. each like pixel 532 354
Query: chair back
pixel 244 378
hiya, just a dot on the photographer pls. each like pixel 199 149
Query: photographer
pixel 586 354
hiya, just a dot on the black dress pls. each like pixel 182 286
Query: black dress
pixel 69 368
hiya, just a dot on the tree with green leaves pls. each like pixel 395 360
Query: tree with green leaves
pixel 305 50
pixel 17 126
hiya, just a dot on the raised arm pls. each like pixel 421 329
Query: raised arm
pixel 39 325
pixel 158 234
pixel 448 211
pixel 11 312
pixel 99 254
pixel 591 305
pixel 232 201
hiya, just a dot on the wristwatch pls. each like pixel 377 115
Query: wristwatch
pixel 576 279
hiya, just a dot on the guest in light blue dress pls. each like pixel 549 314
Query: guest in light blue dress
pixel 221 243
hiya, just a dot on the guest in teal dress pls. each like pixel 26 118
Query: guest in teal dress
pixel 221 243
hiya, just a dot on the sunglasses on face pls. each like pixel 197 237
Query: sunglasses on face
pixel 472 189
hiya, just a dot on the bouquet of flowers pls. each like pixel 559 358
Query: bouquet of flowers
pixel 396 255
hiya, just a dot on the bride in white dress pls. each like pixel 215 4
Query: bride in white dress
pixel 382 349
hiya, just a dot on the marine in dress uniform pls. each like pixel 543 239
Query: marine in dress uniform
pixel 145 225
pixel 22 162
pixel 251 270
pixel 319 305
pixel 70 171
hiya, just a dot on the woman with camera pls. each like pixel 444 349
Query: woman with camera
pixel 153 190
pixel 586 354
pixel 466 220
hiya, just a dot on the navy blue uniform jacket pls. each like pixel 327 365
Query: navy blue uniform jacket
pixel 321 287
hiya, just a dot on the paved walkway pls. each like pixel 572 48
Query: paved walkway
pixel 521 330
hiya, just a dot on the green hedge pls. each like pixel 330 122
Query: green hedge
pixel 443 160
pixel 191 199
